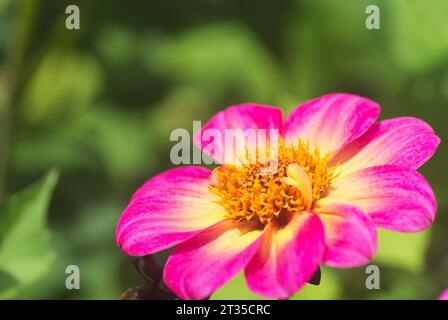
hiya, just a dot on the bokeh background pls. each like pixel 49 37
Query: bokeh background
pixel 87 114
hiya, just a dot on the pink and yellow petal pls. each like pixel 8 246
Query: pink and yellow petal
pixel 287 258
pixel 168 209
pixel 350 235
pixel 331 121
pixel 205 262
pixel 406 142
pixel 395 198
pixel 244 122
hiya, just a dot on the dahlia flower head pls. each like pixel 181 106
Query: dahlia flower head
pixel 339 176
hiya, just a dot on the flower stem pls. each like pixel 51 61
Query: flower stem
pixel 25 14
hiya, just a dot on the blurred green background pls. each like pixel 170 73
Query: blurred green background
pixel 98 104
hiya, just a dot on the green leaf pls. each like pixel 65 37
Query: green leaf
pixel 402 250
pixel 217 57
pixel 25 247
pixel 62 87
pixel 419 36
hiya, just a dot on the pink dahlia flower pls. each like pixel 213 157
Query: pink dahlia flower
pixel 340 176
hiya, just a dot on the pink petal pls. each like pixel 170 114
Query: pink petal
pixel 287 258
pixel 331 121
pixel 444 295
pixel 245 116
pixel 168 209
pixel 396 198
pixel 406 142
pixel 202 264
pixel 350 235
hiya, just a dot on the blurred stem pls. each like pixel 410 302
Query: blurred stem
pixel 22 28
pixel 4 139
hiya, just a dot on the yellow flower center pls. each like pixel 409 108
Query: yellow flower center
pixel 248 193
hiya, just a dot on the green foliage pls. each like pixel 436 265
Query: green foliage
pixel 403 250
pixel 419 36
pixel 25 241
pixel 207 57
pixel 70 80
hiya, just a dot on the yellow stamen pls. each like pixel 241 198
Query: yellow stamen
pixel 299 178
pixel 248 194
